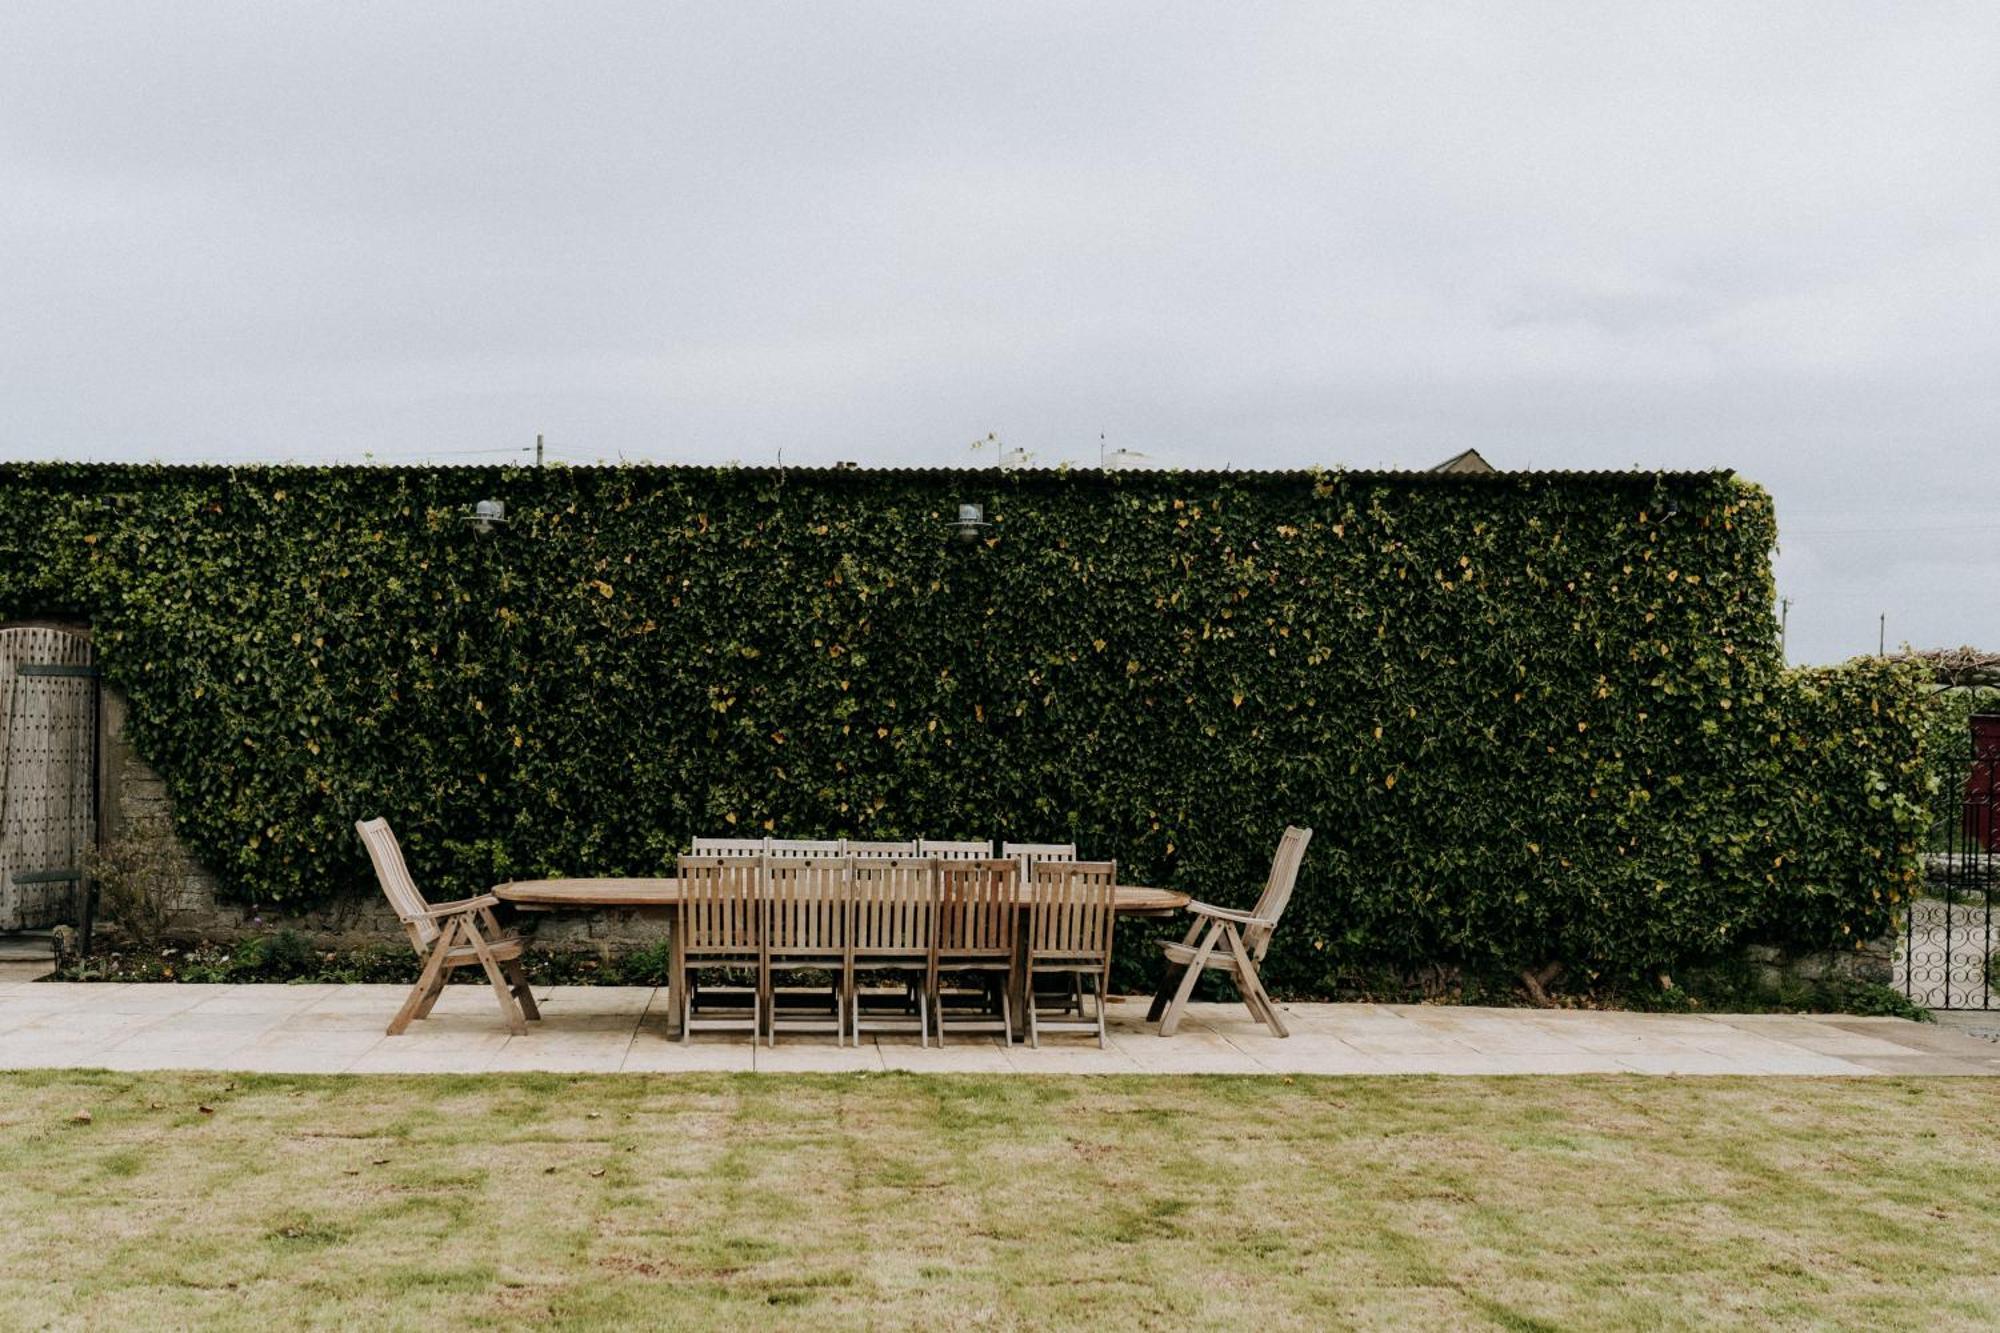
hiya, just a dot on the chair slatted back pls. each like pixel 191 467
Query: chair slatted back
pixel 806 905
pixel 1027 853
pixel 1277 889
pixel 894 901
pixel 386 854
pixel 729 846
pixel 1072 909
pixel 793 848
pixel 954 851
pixel 979 909
pixel 855 847
pixel 722 904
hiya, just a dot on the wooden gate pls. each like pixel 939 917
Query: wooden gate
pixel 48 773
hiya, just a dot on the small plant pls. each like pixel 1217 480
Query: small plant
pixel 140 876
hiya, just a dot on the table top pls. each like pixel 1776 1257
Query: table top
pixel 1132 899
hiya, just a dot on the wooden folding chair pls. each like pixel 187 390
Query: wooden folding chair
pixel 1072 913
pixel 893 906
pixel 805 906
pixel 719 923
pixel 447 936
pixel 979 913
pixel 1231 942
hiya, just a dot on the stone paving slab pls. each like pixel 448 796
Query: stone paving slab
pixel 602 1029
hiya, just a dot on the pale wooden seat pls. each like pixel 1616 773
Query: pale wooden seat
pixel 446 936
pixel 719 923
pixel 978 928
pixel 1233 942
pixel 893 905
pixel 1071 917
pixel 806 920
pixel 862 848
pixel 954 851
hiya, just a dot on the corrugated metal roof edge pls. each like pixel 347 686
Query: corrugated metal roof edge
pixel 765 469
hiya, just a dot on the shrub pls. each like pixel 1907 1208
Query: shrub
pixel 1532 718
pixel 140 877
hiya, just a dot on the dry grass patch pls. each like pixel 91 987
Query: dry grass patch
pixel 906 1201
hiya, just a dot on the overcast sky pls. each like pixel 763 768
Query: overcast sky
pixel 1758 236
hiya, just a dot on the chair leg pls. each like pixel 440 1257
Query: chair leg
pixel 433 969
pixel 923 1017
pixel 1034 1034
pixel 1097 985
pixel 1252 987
pixel 432 993
pixel 1170 977
pixel 515 1023
pixel 1172 1020
pixel 517 976
pixel 1006 1016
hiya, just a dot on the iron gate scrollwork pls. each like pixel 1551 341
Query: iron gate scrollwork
pixel 1947 950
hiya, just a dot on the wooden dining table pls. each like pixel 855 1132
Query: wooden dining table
pixel 660 896
pixel 663 895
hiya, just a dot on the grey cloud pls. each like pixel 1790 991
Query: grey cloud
pixel 1573 235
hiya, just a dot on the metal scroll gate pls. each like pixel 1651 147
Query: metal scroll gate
pixel 1946 957
pixel 48 773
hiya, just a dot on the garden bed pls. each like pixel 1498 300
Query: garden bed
pixel 285 956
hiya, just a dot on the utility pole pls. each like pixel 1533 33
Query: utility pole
pixel 538 448
pixel 1784 618
pixel 1882 636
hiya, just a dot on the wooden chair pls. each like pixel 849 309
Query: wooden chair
pixel 719 923
pixel 1232 942
pixel 793 848
pixel 446 936
pixel 893 901
pixel 855 847
pixel 954 851
pixel 1026 854
pixel 1071 916
pixel 979 913
pixel 806 911
pixel 729 846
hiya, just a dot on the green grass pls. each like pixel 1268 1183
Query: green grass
pixel 902 1201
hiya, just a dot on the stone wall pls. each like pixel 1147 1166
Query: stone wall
pixel 1774 969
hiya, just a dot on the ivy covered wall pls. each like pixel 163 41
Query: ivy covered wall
pixel 1532 717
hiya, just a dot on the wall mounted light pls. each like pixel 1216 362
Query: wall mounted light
pixel 970 525
pixel 488 515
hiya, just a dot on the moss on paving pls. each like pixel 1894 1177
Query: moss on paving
pixel 904 1201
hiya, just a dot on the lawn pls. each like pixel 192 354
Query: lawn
pixel 904 1201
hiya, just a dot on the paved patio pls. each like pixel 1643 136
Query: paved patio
pixel 325 1029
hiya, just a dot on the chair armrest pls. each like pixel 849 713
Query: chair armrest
pixel 1225 914
pixel 459 908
